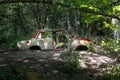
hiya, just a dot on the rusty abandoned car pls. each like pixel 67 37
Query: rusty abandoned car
pixel 54 39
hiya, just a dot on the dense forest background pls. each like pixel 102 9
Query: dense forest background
pixel 88 18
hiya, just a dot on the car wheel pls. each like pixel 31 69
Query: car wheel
pixel 35 48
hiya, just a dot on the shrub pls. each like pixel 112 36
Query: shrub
pixel 72 62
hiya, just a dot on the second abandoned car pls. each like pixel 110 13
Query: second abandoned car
pixel 54 39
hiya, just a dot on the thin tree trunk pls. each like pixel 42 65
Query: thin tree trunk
pixel 45 15
pixel 77 22
pixel 70 28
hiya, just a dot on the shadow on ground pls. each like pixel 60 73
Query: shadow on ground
pixel 47 65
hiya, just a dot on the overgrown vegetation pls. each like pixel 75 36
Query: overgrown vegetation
pixel 110 46
pixel 85 18
pixel 14 71
pixel 113 73
pixel 72 62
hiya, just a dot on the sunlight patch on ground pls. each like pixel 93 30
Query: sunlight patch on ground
pixel 92 60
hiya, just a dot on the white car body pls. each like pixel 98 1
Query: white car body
pixel 43 41
pixel 38 42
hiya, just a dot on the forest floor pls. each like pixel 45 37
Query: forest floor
pixel 47 65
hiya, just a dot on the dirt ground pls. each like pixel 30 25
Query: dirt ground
pixel 48 65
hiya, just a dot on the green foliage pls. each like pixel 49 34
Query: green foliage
pixel 11 41
pixel 72 62
pixel 116 10
pixel 15 72
pixel 113 74
pixel 110 46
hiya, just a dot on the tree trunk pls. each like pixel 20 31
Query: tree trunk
pixel 77 22
pixel 115 22
pixel 69 26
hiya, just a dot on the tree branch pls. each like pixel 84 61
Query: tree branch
pixel 91 11
pixel 98 13
pixel 63 5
